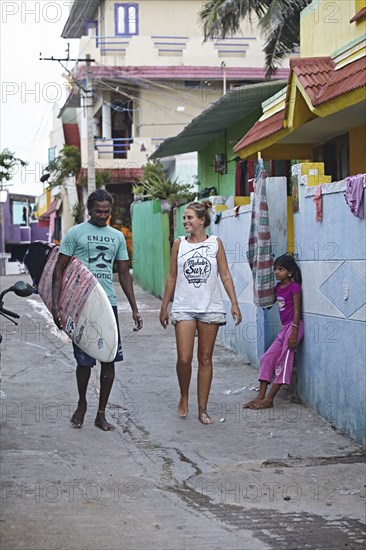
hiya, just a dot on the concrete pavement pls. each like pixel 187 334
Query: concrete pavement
pixel 279 478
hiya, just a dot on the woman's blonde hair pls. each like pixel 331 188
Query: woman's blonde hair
pixel 202 210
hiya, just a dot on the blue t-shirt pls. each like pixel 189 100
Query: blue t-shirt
pixel 97 247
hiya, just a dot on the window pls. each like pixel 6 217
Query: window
pixel 126 19
pixel 51 154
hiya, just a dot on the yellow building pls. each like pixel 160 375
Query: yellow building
pixel 321 114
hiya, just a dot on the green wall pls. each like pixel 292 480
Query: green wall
pixel 207 177
pixel 178 226
pixel 151 247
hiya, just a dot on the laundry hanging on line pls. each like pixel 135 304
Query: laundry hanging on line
pixel 354 194
pixel 259 255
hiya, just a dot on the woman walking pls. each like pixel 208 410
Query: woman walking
pixel 196 263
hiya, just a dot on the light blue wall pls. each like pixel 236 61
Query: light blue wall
pixel 332 358
pixel 251 337
pixel 331 254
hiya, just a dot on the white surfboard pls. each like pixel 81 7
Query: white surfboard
pixel 87 316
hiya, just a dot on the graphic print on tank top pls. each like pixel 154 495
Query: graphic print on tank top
pixel 197 268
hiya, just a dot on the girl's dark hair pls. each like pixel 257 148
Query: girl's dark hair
pixel 287 261
pixel 98 196
pixel 202 210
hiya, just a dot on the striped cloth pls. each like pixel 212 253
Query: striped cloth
pixel 259 254
pixel 77 284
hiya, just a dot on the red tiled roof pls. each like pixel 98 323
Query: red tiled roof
pixel 344 80
pixel 313 73
pixel 178 72
pixel 262 129
pixel 322 82
pixel 71 133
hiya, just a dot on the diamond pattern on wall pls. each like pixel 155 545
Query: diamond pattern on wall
pixel 346 289
pixel 238 274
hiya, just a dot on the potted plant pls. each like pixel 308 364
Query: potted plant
pixel 138 191
pixel 159 186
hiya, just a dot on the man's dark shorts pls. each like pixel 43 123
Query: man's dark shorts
pixel 84 360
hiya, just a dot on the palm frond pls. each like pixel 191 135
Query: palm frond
pixel 277 20
pixel 280 43
pixel 282 12
pixel 220 18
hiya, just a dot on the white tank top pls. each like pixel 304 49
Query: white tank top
pixel 197 286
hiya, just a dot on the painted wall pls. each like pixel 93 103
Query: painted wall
pixel 164 110
pixel 174 23
pixel 331 369
pixel 325 27
pixel 257 330
pixel 207 177
pixel 151 248
pixel 39 233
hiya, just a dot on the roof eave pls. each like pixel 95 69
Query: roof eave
pixel 193 138
pixel 81 11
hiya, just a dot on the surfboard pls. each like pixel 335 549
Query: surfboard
pixel 86 314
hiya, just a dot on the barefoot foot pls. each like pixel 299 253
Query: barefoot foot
pixel 263 404
pixel 77 418
pixel 101 422
pixel 204 418
pixel 250 404
pixel 182 408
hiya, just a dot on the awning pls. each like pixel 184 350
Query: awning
pixel 72 102
pixel 54 207
pixel 234 106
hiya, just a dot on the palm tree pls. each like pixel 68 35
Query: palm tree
pixel 278 21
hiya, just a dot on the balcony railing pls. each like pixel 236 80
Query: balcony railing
pixel 113 147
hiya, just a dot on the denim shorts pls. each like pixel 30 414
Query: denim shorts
pixel 84 360
pixel 210 318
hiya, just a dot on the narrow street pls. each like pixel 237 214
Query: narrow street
pixel 254 480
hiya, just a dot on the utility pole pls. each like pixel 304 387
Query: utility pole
pixel 223 68
pixel 90 128
pixel 88 91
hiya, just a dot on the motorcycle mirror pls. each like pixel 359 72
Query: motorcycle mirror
pixel 22 289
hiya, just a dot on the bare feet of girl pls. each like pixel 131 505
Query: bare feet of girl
pixel 250 404
pixel 263 404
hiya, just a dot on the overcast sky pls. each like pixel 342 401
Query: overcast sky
pixel 30 87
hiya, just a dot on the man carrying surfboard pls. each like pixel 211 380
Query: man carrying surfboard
pixel 98 246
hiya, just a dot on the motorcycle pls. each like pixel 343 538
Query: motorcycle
pixel 22 289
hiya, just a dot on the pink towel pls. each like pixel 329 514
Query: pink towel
pixel 354 194
pixel 318 199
